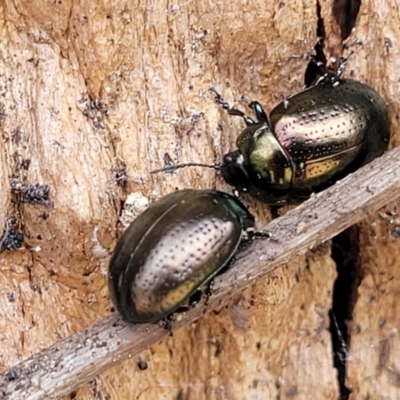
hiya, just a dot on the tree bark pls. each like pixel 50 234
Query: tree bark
pixel 94 95
pixel 61 368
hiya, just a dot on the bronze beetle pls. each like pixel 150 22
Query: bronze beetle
pixel 172 249
pixel 310 140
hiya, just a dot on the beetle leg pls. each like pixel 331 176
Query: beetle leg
pixel 326 73
pixel 231 111
pixel 343 63
pixel 166 323
pixel 208 291
pixel 194 299
pixel 251 234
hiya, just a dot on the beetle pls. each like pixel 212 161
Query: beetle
pixel 310 140
pixel 172 249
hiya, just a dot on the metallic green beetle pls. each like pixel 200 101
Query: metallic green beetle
pixel 178 244
pixel 311 140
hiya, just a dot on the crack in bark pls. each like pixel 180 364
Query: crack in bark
pixel 346 254
pixel 61 368
pixel 313 71
pixel 345 246
pixel 345 13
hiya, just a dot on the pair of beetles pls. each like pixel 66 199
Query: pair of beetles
pixel 182 241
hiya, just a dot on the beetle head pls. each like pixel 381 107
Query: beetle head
pixel 234 170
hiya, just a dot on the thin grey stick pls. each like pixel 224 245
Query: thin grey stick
pixel 70 363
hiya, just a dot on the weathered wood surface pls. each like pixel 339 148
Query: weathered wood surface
pixel 88 87
pixel 80 358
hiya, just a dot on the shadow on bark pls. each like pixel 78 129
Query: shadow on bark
pixel 346 254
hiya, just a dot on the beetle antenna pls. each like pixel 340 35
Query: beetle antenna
pixel 231 111
pixel 172 168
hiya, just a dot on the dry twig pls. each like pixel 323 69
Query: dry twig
pixel 71 362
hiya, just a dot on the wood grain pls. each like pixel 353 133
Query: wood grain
pixel 71 362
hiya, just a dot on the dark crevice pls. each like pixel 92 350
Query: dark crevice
pixel 346 254
pixel 345 13
pixel 313 71
pixel 345 246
